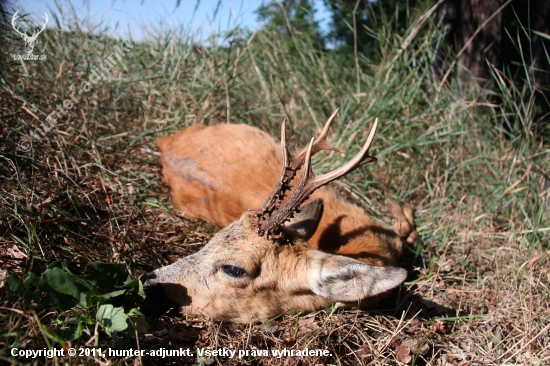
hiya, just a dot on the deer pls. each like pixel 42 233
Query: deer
pixel 288 254
pixel 29 40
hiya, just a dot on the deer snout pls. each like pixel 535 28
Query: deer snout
pixel 161 297
pixel 149 283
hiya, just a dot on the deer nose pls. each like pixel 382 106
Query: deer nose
pixel 159 296
pixel 149 279
pixel 155 303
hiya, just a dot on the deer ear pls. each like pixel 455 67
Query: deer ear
pixel 345 279
pixel 304 223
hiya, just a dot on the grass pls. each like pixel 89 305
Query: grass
pixel 90 190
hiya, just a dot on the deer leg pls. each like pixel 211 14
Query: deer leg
pixel 404 216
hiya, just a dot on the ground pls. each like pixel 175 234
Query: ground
pixel 90 190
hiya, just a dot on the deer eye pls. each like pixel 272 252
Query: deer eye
pixel 233 271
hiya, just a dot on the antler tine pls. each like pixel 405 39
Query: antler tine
pixel 46 18
pixel 320 142
pixel 310 182
pixel 290 166
pixel 37 32
pixel 361 158
pixel 13 21
pixel 283 183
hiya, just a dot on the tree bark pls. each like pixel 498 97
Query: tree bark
pixel 540 15
pixel 485 46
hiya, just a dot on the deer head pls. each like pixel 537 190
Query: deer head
pixel 29 40
pixel 260 266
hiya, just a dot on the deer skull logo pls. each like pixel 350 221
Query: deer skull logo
pixel 29 40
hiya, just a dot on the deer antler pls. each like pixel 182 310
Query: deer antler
pixel 270 226
pixel 13 21
pixel 43 27
pixel 289 167
pixel 24 34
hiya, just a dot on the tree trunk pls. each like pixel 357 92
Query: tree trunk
pixel 540 15
pixel 485 46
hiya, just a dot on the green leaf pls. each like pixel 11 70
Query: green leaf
pixel 139 320
pixel 84 300
pixel 56 264
pixel 25 288
pixel 106 277
pixel 137 288
pixel 112 319
pixel 78 331
pixel 30 280
pixel 51 334
pixel 62 281
pixel 83 282
pixel 54 299
pixel 141 291
pixel 110 294
pixel 16 284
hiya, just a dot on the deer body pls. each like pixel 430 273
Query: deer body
pixel 248 271
pixel 217 182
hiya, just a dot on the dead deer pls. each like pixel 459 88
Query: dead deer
pixel 267 261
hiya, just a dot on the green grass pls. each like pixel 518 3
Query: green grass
pixel 90 190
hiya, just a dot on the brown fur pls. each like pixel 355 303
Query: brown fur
pixel 206 155
pixel 280 278
pixel 223 170
pixel 216 173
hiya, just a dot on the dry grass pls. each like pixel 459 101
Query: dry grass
pixel 479 277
